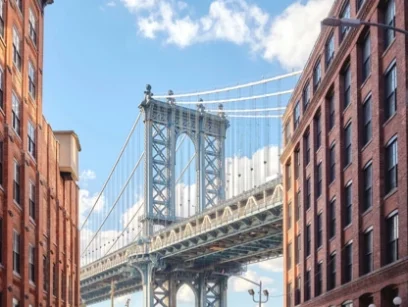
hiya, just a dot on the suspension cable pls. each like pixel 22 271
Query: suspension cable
pixel 236 99
pixel 116 202
pixel 246 111
pixel 124 229
pixel 113 169
pixel 231 87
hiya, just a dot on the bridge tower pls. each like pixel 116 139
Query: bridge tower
pixel 164 123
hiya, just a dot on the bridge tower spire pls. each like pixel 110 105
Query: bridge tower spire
pixel 164 123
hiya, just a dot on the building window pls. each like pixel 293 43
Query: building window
pixel 2 19
pixel 308 193
pixel 348 262
pixel 368 252
pixel 298 290
pixel 297 163
pixel 345 13
pixel 1 86
pixel 308 240
pixel 391 162
pixel 289 215
pixel 319 180
pixel 392 238
pixel 318 125
pixel 32 27
pixel 1 163
pixel 347 145
pixel 16 181
pixel 319 279
pixel 31 139
pixel 298 248
pixel 288 177
pixel 287 133
pixel 1 240
pixel 367 131
pixel 16 113
pixel 16 49
pixel 299 205
pixel 289 294
pixel 289 259
pixel 20 5
pixel 32 201
pixel 319 239
pixel 346 86
pixel 306 96
pixel 16 252
pixel 347 304
pixel 368 187
pixel 390 92
pixel 366 52
pixel 390 21
pixel 45 273
pixel 31 80
pixel 329 50
pixel 348 200
pixel 332 111
pixel 307 148
pixel 31 263
pixel 332 219
pixel 296 116
pixel 332 158
pixel 54 279
pixel 359 4
pixel 308 286
pixel 331 272
pixel 317 75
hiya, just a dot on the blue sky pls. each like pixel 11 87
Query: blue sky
pixel 99 55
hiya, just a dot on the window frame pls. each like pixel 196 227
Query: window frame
pixel 348 262
pixel 329 50
pixel 332 159
pixel 332 272
pixel 319 181
pixel 32 26
pixel 16 252
pixel 319 227
pixel 31 139
pixel 17 58
pixel 348 154
pixel 306 97
pixel 333 218
pixel 32 86
pixel 308 249
pixel 16 182
pixel 318 125
pixel 317 75
pixel 306 140
pixel 391 179
pixel 368 186
pixel 346 76
pixel 392 246
pixel 16 110
pixel 367 118
pixel 319 279
pixel 366 57
pixel 308 190
pixel 31 200
pixel 296 115
pixel 389 34
pixel 332 111
pixel 344 13
pixel 348 209
pixel 31 263
pixel 368 263
pixel 390 93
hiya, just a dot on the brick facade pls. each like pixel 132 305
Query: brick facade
pixel 385 279
pixel 51 227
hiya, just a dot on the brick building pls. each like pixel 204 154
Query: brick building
pixel 39 263
pixel 345 164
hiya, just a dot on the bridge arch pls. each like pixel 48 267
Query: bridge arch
pixel 187 295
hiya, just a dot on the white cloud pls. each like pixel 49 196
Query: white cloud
pixel 87 200
pixel 86 176
pixel 237 284
pixel 273 265
pixel 292 32
pixel 111 4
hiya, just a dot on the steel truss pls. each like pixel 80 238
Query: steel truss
pixel 164 123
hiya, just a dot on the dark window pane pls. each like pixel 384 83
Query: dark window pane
pixel 368 252
pixel 391 163
pixel 348 201
pixel 366 58
pixel 390 21
pixel 368 193
pixel 329 50
pixel 347 87
pixel 348 263
pixel 347 145
pixel 332 220
pixel 367 130
pixel 392 238
pixel 390 92
pixel 308 240
pixel 332 158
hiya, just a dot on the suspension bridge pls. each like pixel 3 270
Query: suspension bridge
pixel 194 196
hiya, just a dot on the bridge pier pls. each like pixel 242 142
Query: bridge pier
pixel 160 288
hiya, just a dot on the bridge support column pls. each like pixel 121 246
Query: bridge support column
pixel 213 292
pixel 158 290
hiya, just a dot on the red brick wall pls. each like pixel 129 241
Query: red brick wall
pixel 56 197
pixel 382 276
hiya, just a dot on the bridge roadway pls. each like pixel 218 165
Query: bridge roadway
pixel 242 230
